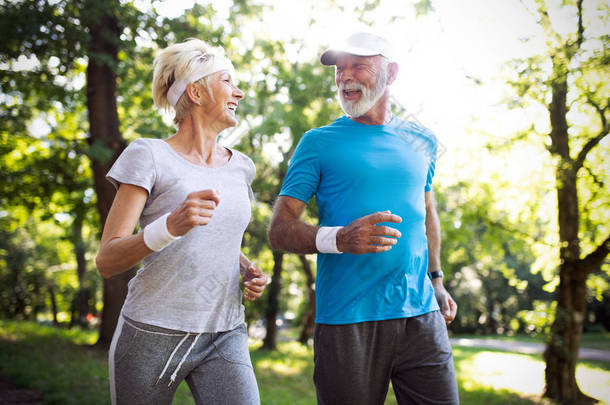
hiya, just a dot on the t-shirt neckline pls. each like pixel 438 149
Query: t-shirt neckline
pixel 392 121
pixel 188 162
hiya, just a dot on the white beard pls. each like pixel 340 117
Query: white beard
pixel 369 97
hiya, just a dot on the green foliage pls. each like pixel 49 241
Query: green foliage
pixel 39 59
pixel 487 262
pixel 537 320
pixel 423 7
pixel 532 79
pixel 25 258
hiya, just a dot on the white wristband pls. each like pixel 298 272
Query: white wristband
pixel 156 235
pixel 326 239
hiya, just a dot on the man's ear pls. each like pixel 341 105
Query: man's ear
pixel 392 72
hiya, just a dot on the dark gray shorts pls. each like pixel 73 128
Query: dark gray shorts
pixel 143 359
pixel 354 363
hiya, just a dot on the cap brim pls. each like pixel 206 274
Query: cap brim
pixel 329 56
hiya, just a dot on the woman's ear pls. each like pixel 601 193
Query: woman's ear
pixel 194 93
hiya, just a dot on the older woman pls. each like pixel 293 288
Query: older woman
pixel 183 318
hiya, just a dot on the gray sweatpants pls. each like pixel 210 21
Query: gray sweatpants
pixel 354 363
pixel 147 363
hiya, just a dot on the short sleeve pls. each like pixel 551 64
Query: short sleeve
pixel 303 176
pixel 134 166
pixel 432 162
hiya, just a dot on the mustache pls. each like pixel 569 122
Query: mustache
pixel 351 86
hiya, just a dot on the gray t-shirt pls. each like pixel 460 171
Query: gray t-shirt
pixel 192 284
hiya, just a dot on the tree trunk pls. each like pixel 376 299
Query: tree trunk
pixel 19 304
pixel 269 343
pixel 491 326
pixel 82 296
pixel 309 317
pixel 105 136
pixel 51 288
pixel 561 354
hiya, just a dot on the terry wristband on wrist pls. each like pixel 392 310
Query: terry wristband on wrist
pixel 156 235
pixel 326 239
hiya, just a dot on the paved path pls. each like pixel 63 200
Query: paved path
pixel 527 347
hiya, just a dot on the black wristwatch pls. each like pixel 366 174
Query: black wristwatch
pixel 435 274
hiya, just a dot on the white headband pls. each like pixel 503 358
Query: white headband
pixel 218 63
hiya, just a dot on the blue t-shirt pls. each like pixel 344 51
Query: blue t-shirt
pixel 355 170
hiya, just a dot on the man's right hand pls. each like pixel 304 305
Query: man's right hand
pixel 363 235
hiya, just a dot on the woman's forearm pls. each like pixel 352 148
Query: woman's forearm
pixel 121 254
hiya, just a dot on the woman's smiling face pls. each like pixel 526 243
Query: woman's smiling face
pixel 225 97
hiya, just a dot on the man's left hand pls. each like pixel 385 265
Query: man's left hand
pixel 447 304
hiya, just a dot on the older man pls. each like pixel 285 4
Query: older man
pixel 380 301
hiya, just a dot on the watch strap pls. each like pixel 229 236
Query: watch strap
pixel 435 274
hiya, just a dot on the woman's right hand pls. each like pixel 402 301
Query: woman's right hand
pixel 197 209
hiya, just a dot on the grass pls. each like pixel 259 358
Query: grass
pixel 519 376
pixel 61 365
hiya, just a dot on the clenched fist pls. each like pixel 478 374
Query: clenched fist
pixel 197 209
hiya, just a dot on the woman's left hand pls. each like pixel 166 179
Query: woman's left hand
pixel 255 282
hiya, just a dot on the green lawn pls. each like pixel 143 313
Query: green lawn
pixel 59 364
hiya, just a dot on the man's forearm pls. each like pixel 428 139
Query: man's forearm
pixel 287 232
pixel 293 236
pixel 433 233
pixel 434 248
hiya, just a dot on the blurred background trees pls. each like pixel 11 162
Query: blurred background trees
pixel 75 88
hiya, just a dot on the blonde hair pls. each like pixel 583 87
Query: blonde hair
pixel 178 61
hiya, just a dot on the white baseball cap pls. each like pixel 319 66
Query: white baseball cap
pixel 361 44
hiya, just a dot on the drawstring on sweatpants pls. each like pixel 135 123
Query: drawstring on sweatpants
pixel 172 378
